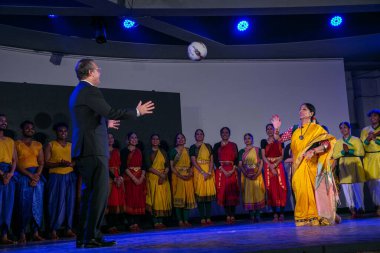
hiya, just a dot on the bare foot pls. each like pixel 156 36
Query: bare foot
pixel 70 234
pixel 112 230
pixel 22 239
pixel 181 224
pixel 5 241
pixel 338 219
pixel 38 238
pixel 54 235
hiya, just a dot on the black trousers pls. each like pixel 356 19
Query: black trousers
pixel 95 176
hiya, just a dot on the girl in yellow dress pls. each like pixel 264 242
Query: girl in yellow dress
pixel 252 183
pixel 158 199
pixel 182 181
pixel 204 179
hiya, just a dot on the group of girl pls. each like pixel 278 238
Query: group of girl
pixel 198 175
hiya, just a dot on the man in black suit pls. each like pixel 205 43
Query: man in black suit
pixel 89 114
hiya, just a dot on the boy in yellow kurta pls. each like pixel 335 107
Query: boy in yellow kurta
pixel 61 185
pixel 370 136
pixel 30 184
pixel 348 153
pixel 8 160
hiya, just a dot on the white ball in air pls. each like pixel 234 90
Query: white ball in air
pixel 197 51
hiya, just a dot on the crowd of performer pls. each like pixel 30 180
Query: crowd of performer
pixel 39 183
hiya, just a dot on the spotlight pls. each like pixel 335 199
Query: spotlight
pixel 242 26
pixel 100 31
pixel 336 21
pixel 129 23
pixel 52 16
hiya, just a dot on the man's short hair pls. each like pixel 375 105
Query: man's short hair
pixel 59 125
pixel 83 67
pixel 26 122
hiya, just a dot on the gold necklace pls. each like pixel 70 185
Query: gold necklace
pixel 301 136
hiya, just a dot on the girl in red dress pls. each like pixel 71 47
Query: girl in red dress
pixel 225 155
pixel 134 181
pixel 274 172
pixel 116 198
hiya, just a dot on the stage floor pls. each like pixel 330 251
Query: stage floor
pixel 359 235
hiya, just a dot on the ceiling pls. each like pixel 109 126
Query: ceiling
pixel 278 29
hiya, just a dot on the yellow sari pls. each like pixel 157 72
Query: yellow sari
pixel 183 190
pixel 158 197
pixel 253 191
pixel 312 182
pixel 204 189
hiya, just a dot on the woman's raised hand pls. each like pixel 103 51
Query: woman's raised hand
pixel 276 121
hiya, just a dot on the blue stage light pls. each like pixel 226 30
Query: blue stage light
pixel 128 23
pixel 52 16
pixel 242 26
pixel 336 21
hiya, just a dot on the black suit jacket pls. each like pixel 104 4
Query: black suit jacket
pixel 89 113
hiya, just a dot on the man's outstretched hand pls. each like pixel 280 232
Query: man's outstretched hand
pixel 113 124
pixel 146 108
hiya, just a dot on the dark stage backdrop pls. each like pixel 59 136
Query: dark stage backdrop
pixel 46 105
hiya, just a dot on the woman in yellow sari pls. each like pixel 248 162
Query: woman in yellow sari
pixel 313 183
pixel 348 153
pixel 158 199
pixel 252 182
pixel 182 181
pixel 204 178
